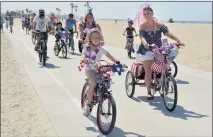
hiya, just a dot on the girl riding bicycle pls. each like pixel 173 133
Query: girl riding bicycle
pixel 150 33
pixel 93 51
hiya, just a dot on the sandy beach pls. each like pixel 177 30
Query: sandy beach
pixel 22 113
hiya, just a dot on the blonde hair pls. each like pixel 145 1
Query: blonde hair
pixel 89 34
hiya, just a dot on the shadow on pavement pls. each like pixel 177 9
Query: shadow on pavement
pixel 179 112
pixel 116 132
pixel 178 81
pixel 49 66
pixel 76 54
pixel 65 58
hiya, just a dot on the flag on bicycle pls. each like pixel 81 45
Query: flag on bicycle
pixel 158 64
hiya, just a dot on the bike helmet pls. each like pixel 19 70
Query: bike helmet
pixel 130 22
pixel 41 13
pixel 88 37
pixel 71 15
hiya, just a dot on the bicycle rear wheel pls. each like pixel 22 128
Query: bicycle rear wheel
pixel 170 104
pixel 84 96
pixel 108 112
pixel 56 49
pixel 130 84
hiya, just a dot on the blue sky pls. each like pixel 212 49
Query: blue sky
pixel 179 11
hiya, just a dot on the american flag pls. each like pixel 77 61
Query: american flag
pixel 158 64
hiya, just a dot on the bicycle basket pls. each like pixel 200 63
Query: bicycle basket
pixel 158 64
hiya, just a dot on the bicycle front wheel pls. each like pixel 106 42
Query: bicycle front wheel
pixel 33 39
pixel 11 29
pixel 170 94
pixel 174 69
pixel 84 96
pixel 44 53
pixel 64 50
pixel 103 113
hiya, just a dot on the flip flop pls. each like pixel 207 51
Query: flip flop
pixel 150 96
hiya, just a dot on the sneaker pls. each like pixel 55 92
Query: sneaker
pixel 86 111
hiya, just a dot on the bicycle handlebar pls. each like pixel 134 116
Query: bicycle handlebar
pixel 164 50
pixel 116 67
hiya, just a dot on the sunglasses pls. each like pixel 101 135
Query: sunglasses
pixel 146 14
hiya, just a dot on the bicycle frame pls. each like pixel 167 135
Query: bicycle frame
pixel 160 82
pixel 103 87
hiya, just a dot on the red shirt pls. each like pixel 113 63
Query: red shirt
pixel 53 19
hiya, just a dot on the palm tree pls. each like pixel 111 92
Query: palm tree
pixel 85 6
pixel 76 9
pixel 87 3
pixel 58 12
pixel 27 10
pixel 22 12
pixel 72 7
pixel 7 13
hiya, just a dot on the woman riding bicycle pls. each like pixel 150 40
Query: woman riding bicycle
pixel 93 51
pixel 150 33
pixel 86 26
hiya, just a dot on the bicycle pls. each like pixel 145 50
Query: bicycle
pixel 34 37
pixel 42 50
pixel 129 46
pixel 102 93
pixel 80 45
pixel 23 24
pixel 6 25
pixel 27 26
pixel 161 76
pixel 11 28
pixel 61 45
pixel 71 44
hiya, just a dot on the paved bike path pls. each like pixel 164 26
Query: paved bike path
pixel 59 87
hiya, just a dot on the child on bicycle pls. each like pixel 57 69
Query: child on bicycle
pixel 129 31
pixel 93 51
pixel 58 30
